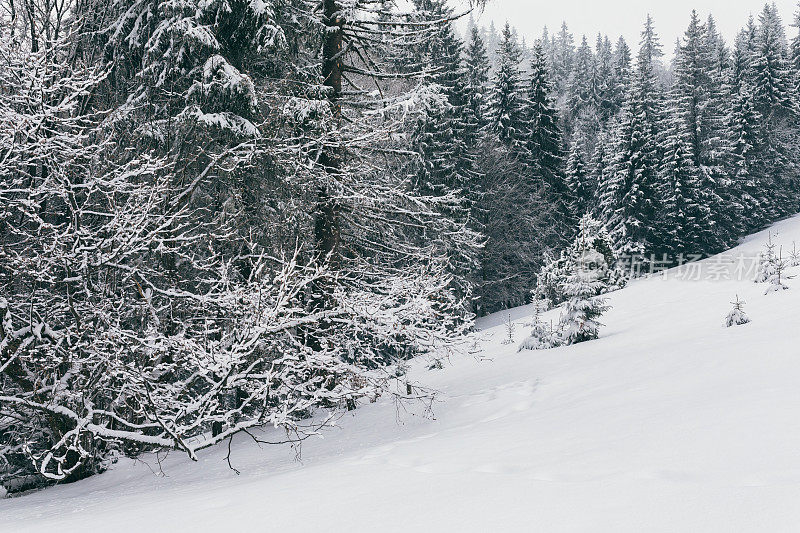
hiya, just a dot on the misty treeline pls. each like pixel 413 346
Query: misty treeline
pixel 228 214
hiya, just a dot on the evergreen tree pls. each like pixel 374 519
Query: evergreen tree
pixel 776 101
pixel 687 227
pixel 796 49
pixel 577 177
pixel 508 98
pixel 622 70
pixel 545 139
pixel 445 139
pixel 563 58
pixel 696 100
pixel 772 84
pixel 743 52
pixel 583 87
pixel 719 51
pixel 747 196
pixel 600 168
pixel 607 81
pixel 477 90
pixel 584 308
pixel 440 136
pixel 632 206
pixel 737 316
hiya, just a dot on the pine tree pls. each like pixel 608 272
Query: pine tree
pixel 446 138
pixel 621 78
pixel 737 316
pixel 440 137
pixel 633 205
pixel 696 100
pixel 545 138
pixel 747 196
pixel 687 218
pixel 776 101
pixel 770 65
pixel 508 98
pixel 582 88
pixel 476 63
pixel 600 171
pixel 584 308
pixel 563 58
pixel 775 280
pixel 767 260
pixel 743 52
pixel 577 178
pixel 607 82
pixel 719 51
pixel 796 49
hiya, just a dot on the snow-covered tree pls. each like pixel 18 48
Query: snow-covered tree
pixel 633 203
pixel 584 308
pixel 592 249
pixel 563 50
pixel 582 89
pixel 545 137
pixel 687 216
pixel 796 49
pixel 508 96
pixel 776 277
pixel 767 260
pixel 542 336
pixel 696 100
pixel 737 316
pixel 577 178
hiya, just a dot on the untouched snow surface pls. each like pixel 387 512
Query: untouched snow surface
pixel 669 422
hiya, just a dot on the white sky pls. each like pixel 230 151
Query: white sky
pixel 625 17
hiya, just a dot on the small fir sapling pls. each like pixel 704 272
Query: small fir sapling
pixel 541 335
pixel 776 279
pixel 794 256
pixel 510 327
pixel 737 316
pixel 766 262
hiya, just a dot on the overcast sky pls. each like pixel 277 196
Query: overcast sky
pixel 624 17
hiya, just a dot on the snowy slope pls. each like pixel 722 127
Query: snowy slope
pixel 669 422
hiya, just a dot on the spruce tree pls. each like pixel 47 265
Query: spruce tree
pixel 607 82
pixel 545 139
pixel 776 101
pixel 476 89
pixel 621 62
pixel 796 49
pixel 696 101
pixel 632 206
pixel 445 141
pixel 584 308
pixel 737 316
pixel 687 227
pixel 577 178
pixel 583 88
pixel 770 65
pixel 563 58
pixel 747 195
pixel 508 97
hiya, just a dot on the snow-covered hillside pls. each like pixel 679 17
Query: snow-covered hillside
pixel 668 422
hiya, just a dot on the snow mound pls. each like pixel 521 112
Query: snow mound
pixel 669 422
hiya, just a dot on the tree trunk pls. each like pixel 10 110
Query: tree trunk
pixel 326 226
